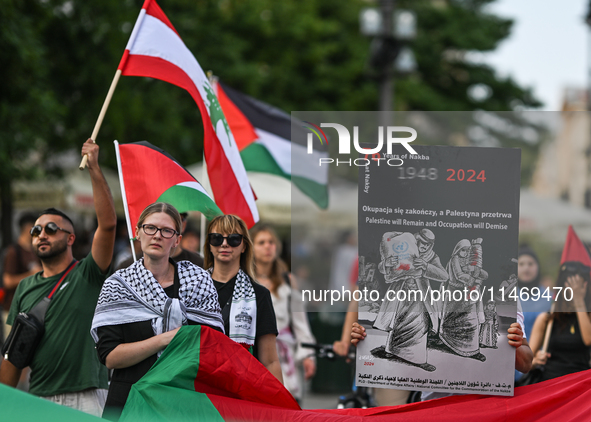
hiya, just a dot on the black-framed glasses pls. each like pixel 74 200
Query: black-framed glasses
pixel 151 230
pixel 50 228
pixel 216 239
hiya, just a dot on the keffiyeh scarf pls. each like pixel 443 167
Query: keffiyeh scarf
pixel 133 294
pixel 243 311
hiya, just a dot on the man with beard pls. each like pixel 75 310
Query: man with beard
pixel 65 368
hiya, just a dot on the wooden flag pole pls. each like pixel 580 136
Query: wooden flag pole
pixel 548 330
pixel 101 116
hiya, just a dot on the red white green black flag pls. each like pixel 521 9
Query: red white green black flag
pixel 263 134
pixel 149 174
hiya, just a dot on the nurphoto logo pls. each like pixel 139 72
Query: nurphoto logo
pixel 344 143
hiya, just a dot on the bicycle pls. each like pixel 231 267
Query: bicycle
pixel 360 397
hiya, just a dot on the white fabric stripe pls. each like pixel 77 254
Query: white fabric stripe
pixel 285 152
pixel 155 39
pixel 136 28
pixel 307 165
pixel 277 146
pixel 196 186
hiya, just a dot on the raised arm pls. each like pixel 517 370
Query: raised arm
pixel 104 237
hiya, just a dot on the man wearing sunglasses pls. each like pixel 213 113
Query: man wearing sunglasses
pixel 65 368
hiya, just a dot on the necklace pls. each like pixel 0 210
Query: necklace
pixel 572 328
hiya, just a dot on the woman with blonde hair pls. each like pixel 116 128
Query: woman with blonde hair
pixel 247 309
pixel 292 321
pixel 141 307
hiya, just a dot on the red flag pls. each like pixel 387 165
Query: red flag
pixel 156 50
pixel 574 249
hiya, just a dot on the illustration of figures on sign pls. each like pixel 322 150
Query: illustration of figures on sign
pixel 456 324
pixel 489 330
pixel 409 264
pixel 507 286
pixel 461 319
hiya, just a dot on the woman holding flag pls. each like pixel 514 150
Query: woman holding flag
pixel 141 307
pixel 247 309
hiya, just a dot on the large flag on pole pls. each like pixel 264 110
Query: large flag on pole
pixel 149 174
pixel 263 134
pixel 156 50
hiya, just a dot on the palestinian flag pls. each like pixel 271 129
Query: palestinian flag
pixel 149 174
pixel 268 143
pixel 156 50
pixel 200 376
pixel 204 376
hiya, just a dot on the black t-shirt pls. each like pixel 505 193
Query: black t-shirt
pixel 112 336
pixel 568 353
pixel 266 321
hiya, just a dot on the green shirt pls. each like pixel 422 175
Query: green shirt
pixel 66 360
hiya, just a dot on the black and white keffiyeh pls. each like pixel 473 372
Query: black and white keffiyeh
pixel 243 311
pixel 133 294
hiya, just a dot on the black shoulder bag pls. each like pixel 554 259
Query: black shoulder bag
pixel 28 329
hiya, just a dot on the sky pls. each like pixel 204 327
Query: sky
pixel 547 49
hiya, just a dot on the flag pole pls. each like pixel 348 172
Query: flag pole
pixel 205 177
pixel 101 116
pixel 130 43
pixel 124 197
pixel 204 180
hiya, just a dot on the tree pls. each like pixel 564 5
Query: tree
pixel 27 105
pixel 60 56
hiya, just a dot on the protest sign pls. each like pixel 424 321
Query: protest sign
pixel 438 234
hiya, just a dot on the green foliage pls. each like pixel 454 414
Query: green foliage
pixel 59 57
pixel 28 106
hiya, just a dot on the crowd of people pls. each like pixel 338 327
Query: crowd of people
pixel 109 322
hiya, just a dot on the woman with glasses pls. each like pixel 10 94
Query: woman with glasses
pixel 141 307
pixel 247 309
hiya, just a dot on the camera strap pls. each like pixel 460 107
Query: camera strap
pixel 40 308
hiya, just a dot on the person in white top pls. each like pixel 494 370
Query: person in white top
pixel 292 321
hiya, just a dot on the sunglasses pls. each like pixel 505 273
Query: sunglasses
pixel 50 229
pixel 216 239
